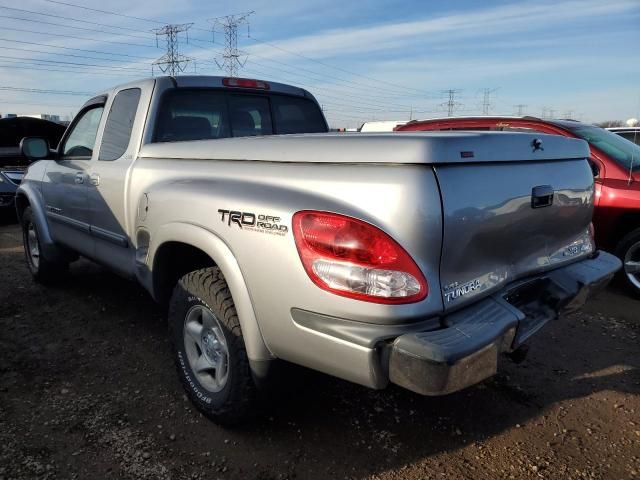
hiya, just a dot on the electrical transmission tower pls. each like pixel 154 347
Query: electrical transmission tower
pixel 172 62
pixel 520 107
pixel 486 100
pixel 231 57
pixel 451 104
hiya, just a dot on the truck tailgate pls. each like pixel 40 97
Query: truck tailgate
pixel 504 221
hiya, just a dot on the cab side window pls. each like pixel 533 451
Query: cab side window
pixel 117 130
pixel 82 139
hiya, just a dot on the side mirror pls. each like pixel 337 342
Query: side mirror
pixel 34 148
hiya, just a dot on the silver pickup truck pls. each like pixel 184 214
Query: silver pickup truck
pixel 414 259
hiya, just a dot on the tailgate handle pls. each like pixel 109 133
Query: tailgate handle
pixel 542 196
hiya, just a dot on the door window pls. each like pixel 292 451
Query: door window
pixel 117 130
pixel 82 139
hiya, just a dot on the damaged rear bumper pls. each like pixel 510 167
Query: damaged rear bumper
pixel 466 351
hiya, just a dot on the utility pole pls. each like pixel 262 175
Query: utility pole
pixel 451 104
pixel 520 107
pixel 231 57
pixel 172 62
pixel 486 101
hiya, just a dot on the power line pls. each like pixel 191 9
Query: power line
pixel 24 42
pixel 63 54
pixel 49 34
pixel 47 68
pixel 44 91
pixel 108 12
pixel 231 56
pixel 377 81
pixel 172 62
pixel 69 18
pixel 318 76
pixel 350 86
pixel 102 11
pixel 60 62
pixel 340 91
pixel 341 99
pixel 40 22
pixel 22 102
pixel 390 107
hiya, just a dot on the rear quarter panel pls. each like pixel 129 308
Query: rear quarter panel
pixel 402 200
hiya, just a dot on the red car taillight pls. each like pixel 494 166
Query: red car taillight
pixel 354 259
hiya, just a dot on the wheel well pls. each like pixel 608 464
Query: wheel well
pixel 628 222
pixel 22 202
pixel 172 261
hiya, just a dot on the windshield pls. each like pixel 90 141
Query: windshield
pixel 624 152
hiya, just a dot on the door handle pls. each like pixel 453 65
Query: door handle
pixel 94 179
pixel 79 178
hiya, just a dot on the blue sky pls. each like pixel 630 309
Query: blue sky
pixel 371 60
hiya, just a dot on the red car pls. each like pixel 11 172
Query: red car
pixel 616 168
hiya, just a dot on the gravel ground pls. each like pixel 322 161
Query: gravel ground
pixel 88 390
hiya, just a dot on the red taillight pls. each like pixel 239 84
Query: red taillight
pixel 245 83
pixel 354 259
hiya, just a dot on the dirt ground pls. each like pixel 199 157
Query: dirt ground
pixel 88 390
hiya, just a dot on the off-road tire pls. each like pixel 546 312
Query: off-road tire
pixel 44 270
pixel 628 241
pixel 236 402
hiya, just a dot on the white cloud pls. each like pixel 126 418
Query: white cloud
pixel 513 18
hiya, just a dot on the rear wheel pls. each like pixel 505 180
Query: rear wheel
pixel 43 269
pixel 209 348
pixel 628 250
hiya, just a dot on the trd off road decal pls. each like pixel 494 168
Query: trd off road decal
pixel 254 222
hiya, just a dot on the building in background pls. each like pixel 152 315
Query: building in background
pixel 45 116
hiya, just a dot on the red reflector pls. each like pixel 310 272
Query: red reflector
pixel 466 154
pixel 245 83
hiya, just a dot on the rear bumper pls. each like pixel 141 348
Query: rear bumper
pixel 466 351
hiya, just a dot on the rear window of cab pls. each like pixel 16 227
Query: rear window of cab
pixel 201 114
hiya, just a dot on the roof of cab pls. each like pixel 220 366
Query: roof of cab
pixel 206 81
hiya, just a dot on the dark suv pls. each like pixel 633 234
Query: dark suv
pixel 12 162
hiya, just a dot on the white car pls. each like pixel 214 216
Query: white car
pixel 630 133
pixel 382 126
